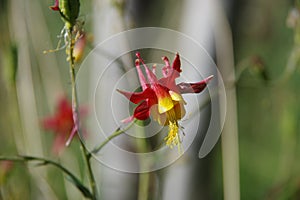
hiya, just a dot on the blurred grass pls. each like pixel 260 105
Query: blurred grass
pixel 48 84
pixel 268 115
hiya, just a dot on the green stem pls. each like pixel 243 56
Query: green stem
pixel 112 136
pixel 144 183
pixel 43 161
pixel 144 178
pixel 76 113
pixel 90 172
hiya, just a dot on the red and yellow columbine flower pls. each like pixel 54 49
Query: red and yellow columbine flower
pixel 162 98
pixel 62 124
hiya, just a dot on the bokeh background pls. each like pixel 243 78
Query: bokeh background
pixel 257 40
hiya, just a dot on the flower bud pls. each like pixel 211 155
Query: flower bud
pixel 70 11
pixel 79 47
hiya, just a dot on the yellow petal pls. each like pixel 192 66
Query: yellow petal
pixel 176 96
pixel 179 110
pixel 165 104
pixel 160 118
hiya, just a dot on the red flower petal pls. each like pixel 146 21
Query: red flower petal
pixel 62 123
pixel 151 76
pixel 55 7
pixel 142 111
pixel 166 69
pixel 50 123
pixel 170 74
pixel 137 97
pixel 141 75
pixel 193 87
pixel 176 63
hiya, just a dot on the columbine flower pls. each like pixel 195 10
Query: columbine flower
pixel 162 98
pixel 62 124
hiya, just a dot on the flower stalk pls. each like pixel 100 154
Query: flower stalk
pixel 144 178
pixel 75 110
pixel 117 132
pixel 144 183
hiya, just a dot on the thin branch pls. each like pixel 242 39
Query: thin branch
pixel 43 161
pixel 76 112
pixel 117 132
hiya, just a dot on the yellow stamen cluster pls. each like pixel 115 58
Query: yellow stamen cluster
pixel 167 112
pixel 173 137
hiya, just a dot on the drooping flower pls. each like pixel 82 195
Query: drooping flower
pixel 162 98
pixel 62 125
